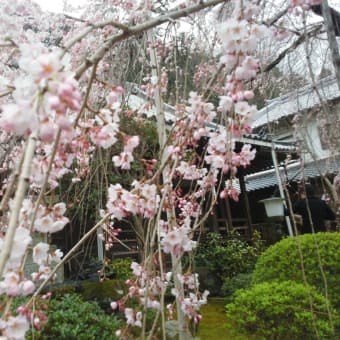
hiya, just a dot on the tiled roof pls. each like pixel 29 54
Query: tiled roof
pixel 295 173
pixel 293 102
pixel 138 99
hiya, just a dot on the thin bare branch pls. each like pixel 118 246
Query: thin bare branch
pixel 291 48
pixel 135 30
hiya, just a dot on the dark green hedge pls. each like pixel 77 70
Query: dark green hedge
pixel 282 262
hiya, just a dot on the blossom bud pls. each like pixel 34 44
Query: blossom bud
pixel 248 95
pixel 223 194
pixel 21 309
pixel 27 287
pixel 36 323
pixel 114 305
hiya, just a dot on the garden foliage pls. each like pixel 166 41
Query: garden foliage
pixel 225 260
pixel 280 310
pixel 72 318
pixel 282 261
pixel 232 284
pixel 119 269
pixel 78 153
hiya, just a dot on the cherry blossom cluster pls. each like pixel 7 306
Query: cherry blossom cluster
pixel 60 167
pixel 125 158
pixel 221 154
pixel 191 305
pixel 155 82
pixel 189 207
pixel 199 113
pixel 191 171
pixel 14 283
pixel 45 260
pixel 42 96
pixel 177 240
pixel 15 327
pixel 143 200
pixel 110 233
pixel 239 37
pixel 51 220
pixel 103 134
pixel 147 289
pixel 203 73
pixel 191 302
pixel 76 147
pixel 48 220
pixel 21 241
pixel 105 126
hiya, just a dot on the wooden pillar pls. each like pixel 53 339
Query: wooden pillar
pixel 282 195
pixel 245 201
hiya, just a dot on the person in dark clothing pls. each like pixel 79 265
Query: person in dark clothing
pixel 319 211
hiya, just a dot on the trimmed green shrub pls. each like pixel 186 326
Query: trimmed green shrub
pixel 227 258
pixel 72 318
pixel 232 284
pixel 282 262
pixel 274 310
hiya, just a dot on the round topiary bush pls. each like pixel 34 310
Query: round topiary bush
pixel 282 262
pixel 280 310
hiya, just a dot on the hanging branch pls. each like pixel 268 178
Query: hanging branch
pixel 136 30
pixel 68 256
pixel 19 196
pixel 291 48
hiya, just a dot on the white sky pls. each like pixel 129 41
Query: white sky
pixel 57 5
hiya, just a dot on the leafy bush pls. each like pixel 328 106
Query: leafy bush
pixel 280 310
pixel 232 284
pixel 72 318
pixel 228 258
pixel 119 268
pixel 282 262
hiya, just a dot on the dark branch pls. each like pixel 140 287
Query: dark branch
pixel 335 15
pixel 291 48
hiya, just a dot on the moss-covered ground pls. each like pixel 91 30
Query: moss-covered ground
pixel 214 324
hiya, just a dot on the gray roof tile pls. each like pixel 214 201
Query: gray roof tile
pixel 295 173
pixel 293 102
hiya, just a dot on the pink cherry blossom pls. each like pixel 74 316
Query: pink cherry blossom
pixel 136 268
pixel 18 119
pixel 177 241
pixel 40 253
pixel 27 287
pixel 16 327
pixel 123 161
